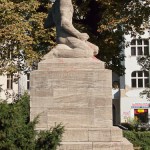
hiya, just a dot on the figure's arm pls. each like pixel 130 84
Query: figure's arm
pixel 69 28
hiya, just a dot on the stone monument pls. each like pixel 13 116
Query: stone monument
pixel 71 43
pixel 72 87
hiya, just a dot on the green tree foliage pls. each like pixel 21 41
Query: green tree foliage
pixel 144 62
pixel 23 39
pixel 50 139
pixel 107 21
pixel 138 139
pixel 18 133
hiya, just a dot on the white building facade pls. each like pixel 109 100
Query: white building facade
pixel 10 88
pixel 128 102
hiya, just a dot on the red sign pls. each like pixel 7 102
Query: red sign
pixel 140 111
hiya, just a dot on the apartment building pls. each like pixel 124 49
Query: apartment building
pixel 11 87
pixel 127 102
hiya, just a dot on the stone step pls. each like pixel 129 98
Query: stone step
pixel 123 145
pixel 110 134
pixel 70 64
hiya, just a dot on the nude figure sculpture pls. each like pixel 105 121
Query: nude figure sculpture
pixel 70 42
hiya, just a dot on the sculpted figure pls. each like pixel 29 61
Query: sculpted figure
pixel 71 42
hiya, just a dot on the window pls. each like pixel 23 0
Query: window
pixel 139 47
pixel 139 79
pixel 9 81
pixel 28 81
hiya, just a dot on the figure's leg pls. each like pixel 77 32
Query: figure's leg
pixel 76 43
pixel 57 50
pixel 94 47
pixel 83 45
pixel 73 48
pixel 63 51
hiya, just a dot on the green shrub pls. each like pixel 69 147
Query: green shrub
pixel 49 140
pixel 139 139
pixel 18 133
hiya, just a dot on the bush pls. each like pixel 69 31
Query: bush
pixel 139 139
pixel 49 140
pixel 18 133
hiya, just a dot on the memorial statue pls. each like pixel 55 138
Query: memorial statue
pixel 71 42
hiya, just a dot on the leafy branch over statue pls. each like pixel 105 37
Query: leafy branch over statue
pixel 144 62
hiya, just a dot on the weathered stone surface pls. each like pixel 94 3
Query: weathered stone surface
pixel 122 145
pixel 109 134
pixel 77 93
pixel 70 64
pixel 76 146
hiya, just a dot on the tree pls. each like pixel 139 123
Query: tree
pixel 107 22
pixel 139 139
pixel 144 62
pixel 17 132
pixel 22 35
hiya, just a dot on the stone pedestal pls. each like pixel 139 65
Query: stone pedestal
pixel 77 93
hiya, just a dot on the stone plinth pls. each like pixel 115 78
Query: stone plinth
pixel 77 93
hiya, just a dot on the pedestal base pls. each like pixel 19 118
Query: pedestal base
pixel 77 93
pixel 122 145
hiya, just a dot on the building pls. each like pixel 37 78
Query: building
pixel 11 88
pixel 127 102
